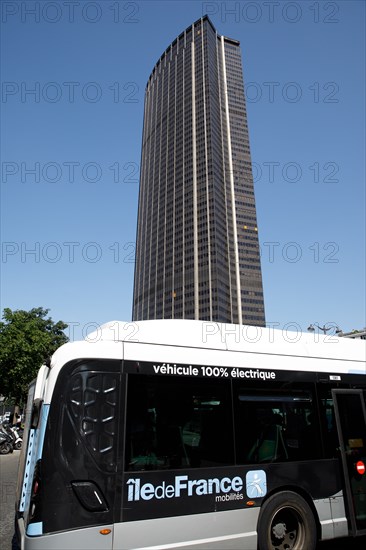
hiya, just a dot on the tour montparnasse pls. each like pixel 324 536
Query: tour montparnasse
pixel 197 251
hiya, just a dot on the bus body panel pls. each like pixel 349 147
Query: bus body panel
pixel 88 538
pixel 339 519
pixel 222 531
pixel 332 517
pixel 253 359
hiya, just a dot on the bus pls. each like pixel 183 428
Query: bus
pixel 179 434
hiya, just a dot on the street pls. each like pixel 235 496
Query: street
pixel 8 475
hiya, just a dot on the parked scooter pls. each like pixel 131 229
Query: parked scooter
pixel 6 443
pixel 13 433
pixel 17 437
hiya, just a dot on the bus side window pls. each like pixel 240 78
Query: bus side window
pixel 141 434
pixel 331 442
pixel 177 423
pixel 275 426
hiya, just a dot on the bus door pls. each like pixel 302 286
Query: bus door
pixel 350 414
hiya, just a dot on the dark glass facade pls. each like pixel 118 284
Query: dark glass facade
pixel 197 252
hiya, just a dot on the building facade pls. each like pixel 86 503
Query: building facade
pixel 197 252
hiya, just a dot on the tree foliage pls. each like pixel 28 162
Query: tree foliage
pixel 27 339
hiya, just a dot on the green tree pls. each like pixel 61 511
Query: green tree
pixel 27 339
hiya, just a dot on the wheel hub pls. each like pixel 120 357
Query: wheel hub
pixel 279 530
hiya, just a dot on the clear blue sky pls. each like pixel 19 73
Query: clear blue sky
pixel 70 151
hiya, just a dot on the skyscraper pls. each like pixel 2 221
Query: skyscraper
pixel 197 252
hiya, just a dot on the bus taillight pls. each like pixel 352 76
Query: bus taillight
pixel 35 512
pixel 35 488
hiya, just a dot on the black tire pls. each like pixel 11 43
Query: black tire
pixel 14 543
pixel 18 445
pixel 6 448
pixel 286 522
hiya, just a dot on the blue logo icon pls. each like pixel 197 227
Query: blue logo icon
pixel 256 483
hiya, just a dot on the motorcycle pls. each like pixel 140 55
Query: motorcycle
pixel 14 435
pixel 6 443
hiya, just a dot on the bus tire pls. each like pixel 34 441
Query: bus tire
pixel 286 522
pixel 14 543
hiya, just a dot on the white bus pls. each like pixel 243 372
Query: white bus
pixel 194 435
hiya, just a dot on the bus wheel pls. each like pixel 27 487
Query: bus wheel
pixel 286 522
pixel 14 543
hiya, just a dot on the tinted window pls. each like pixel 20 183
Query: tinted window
pixel 276 426
pixel 177 423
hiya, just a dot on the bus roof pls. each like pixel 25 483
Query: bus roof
pixel 189 342
pixel 228 337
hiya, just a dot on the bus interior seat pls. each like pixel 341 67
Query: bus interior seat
pixel 270 447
